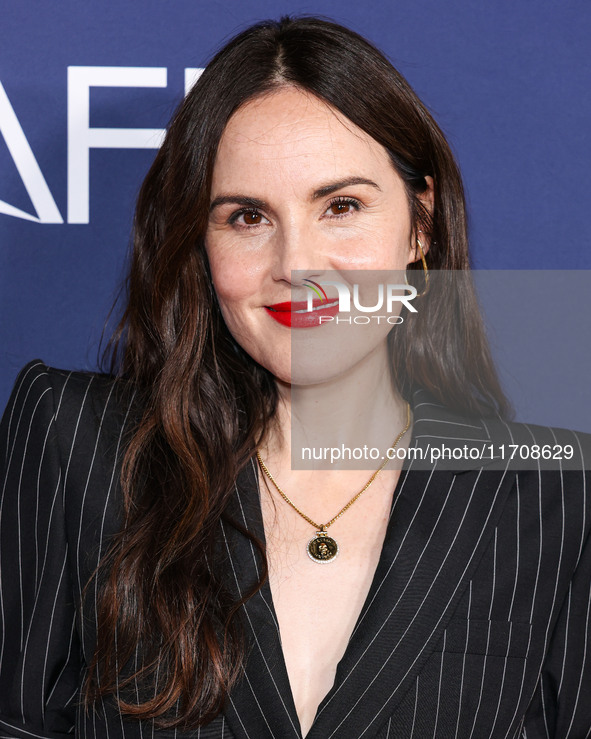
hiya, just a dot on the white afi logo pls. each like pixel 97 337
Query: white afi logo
pixel 81 138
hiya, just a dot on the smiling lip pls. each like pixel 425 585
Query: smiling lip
pixel 295 314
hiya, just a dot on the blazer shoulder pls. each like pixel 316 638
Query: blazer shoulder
pixel 552 467
pixel 73 428
pixel 559 448
pixel 80 403
pixel 72 386
pixel 38 373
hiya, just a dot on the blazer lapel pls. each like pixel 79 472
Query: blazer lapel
pixel 441 522
pixel 261 703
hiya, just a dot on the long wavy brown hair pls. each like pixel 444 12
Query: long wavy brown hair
pixel 206 404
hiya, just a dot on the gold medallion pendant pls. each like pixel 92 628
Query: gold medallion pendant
pixel 322 548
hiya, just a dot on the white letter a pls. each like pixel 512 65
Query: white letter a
pixel 27 167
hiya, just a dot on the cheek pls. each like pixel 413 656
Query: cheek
pixel 235 285
pixel 382 245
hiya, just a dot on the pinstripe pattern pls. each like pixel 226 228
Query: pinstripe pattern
pixel 476 623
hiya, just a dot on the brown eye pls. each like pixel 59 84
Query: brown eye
pixel 250 218
pixel 343 206
pixel 338 208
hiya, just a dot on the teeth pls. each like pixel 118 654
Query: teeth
pixel 320 307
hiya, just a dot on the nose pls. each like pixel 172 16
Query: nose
pixel 298 253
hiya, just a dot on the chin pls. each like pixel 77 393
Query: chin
pixel 302 375
pixel 309 375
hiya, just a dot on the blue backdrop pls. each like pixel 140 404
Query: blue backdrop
pixel 85 90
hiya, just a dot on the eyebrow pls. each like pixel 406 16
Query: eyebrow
pixel 319 193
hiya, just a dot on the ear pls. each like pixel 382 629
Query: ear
pixel 427 199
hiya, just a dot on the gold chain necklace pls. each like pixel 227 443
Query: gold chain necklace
pixel 323 548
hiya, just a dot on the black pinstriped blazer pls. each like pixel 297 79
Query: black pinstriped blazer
pixel 476 624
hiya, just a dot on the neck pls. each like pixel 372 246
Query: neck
pixel 317 423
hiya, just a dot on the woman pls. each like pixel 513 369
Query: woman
pixel 452 600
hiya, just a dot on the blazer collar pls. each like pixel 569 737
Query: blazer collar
pixel 440 523
pixel 454 441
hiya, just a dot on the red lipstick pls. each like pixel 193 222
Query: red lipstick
pixel 295 314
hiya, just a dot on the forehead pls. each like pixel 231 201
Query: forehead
pixel 289 131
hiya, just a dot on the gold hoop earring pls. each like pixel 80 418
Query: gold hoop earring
pixel 426 274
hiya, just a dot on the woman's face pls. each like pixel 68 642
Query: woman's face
pixel 297 186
